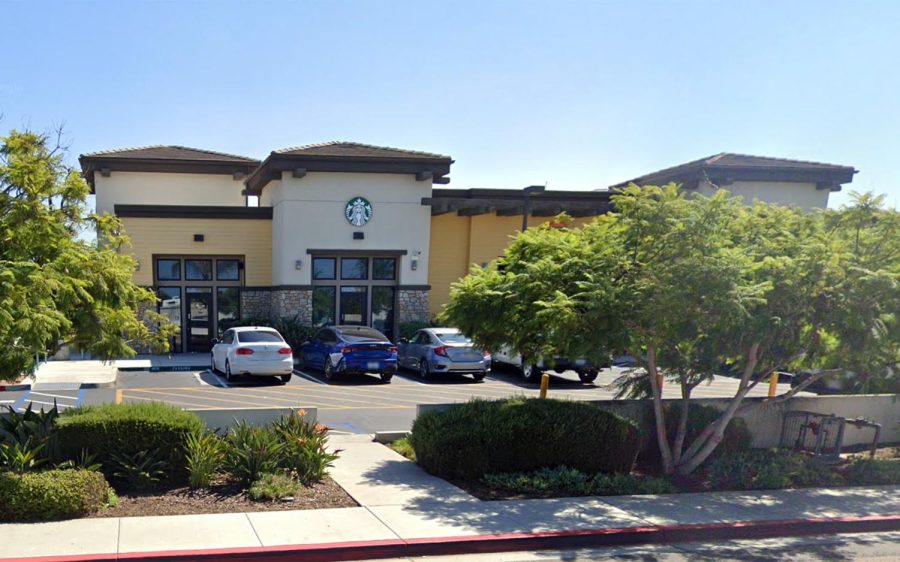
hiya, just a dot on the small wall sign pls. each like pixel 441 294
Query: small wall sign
pixel 358 211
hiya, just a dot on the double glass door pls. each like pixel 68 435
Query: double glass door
pixel 355 291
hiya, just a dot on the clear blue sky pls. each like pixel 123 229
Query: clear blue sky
pixel 576 94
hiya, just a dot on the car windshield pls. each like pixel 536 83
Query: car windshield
pixel 259 336
pixel 362 334
pixel 454 338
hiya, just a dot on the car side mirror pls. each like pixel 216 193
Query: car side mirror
pixel 404 340
pixel 215 341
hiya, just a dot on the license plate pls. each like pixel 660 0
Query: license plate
pixel 373 364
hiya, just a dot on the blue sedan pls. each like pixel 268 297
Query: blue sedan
pixel 352 350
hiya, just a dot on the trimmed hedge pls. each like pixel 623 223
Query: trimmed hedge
pixel 53 494
pixel 521 435
pixel 127 429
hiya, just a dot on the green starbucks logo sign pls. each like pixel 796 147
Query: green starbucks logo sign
pixel 358 211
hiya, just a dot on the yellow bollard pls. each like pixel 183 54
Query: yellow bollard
pixel 773 384
pixel 545 383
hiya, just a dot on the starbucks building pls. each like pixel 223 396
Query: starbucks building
pixel 334 233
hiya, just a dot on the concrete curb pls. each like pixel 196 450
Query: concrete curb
pixel 510 542
pixel 14 387
pixel 165 368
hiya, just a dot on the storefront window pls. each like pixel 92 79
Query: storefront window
pixel 170 307
pixel 168 270
pixel 384 269
pixel 198 270
pixel 323 306
pixel 383 310
pixel 228 270
pixel 228 306
pixel 354 268
pixel 324 268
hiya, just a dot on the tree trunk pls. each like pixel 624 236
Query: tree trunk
pixel 711 436
pixel 680 434
pixel 661 436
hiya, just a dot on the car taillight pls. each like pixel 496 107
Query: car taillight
pixel 392 349
pixel 284 351
pixel 486 354
pixel 441 350
pixel 243 351
pixel 346 350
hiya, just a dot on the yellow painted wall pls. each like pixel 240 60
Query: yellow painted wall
pixel 458 242
pixel 250 238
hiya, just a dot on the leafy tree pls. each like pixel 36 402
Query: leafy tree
pixel 689 285
pixel 54 286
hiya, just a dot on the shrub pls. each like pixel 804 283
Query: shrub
pixel 521 435
pixel 873 472
pixel 759 469
pixel 20 457
pixel 53 494
pixel 32 432
pixel 736 437
pixel 126 430
pixel 204 453
pixel 139 471
pixel 274 486
pixel 252 451
pixel 564 481
pixel 305 452
pixel 291 328
pixel 403 447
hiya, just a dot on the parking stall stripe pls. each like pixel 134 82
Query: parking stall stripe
pixel 191 405
pixel 336 394
pixel 194 395
pixel 234 392
pixel 60 396
pixel 242 392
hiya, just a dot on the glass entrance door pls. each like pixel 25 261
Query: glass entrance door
pixel 353 306
pixel 199 319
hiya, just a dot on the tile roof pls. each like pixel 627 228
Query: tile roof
pixel 730 160
pixel 169 152
pixel 356 149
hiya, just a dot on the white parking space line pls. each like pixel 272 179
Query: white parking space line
pixel 308 377
pixel 62 396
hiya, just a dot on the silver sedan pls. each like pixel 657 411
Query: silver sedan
pixel 434 351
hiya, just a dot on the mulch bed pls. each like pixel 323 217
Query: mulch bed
pixel 223 497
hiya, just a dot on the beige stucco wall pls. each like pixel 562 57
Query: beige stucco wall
pixel 309 213
pixel 153 188
pixel 249 238
pixel 803 195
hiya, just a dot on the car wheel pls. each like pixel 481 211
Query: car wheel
pixel 478 376
pixel 329 369
pixel 423 369
pixel 212 364
pixel 285 378
pixel 531 373
pixel 386 377
pixel 587 376
pixel 228 376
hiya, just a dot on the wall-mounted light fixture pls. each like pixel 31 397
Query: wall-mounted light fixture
pixel 198 238
pixel 298 264
pixel 414 260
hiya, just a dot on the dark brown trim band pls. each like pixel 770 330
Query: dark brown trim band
pixel 272 167
pixel 358 252
pixel 510 202
pixel 92 164
pixel 413 287
pixel 193 212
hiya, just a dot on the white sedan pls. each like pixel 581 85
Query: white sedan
pixel 252 350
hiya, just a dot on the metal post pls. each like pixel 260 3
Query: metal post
pixel 526 202
pixel 773 384
pixel 545 383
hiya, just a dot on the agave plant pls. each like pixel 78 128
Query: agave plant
pixel 31 430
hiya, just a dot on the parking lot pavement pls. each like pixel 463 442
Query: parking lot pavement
pixel 45 398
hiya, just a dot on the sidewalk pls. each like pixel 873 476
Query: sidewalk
pixel 404 511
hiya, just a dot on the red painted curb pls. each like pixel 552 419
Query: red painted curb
pixel 508 542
